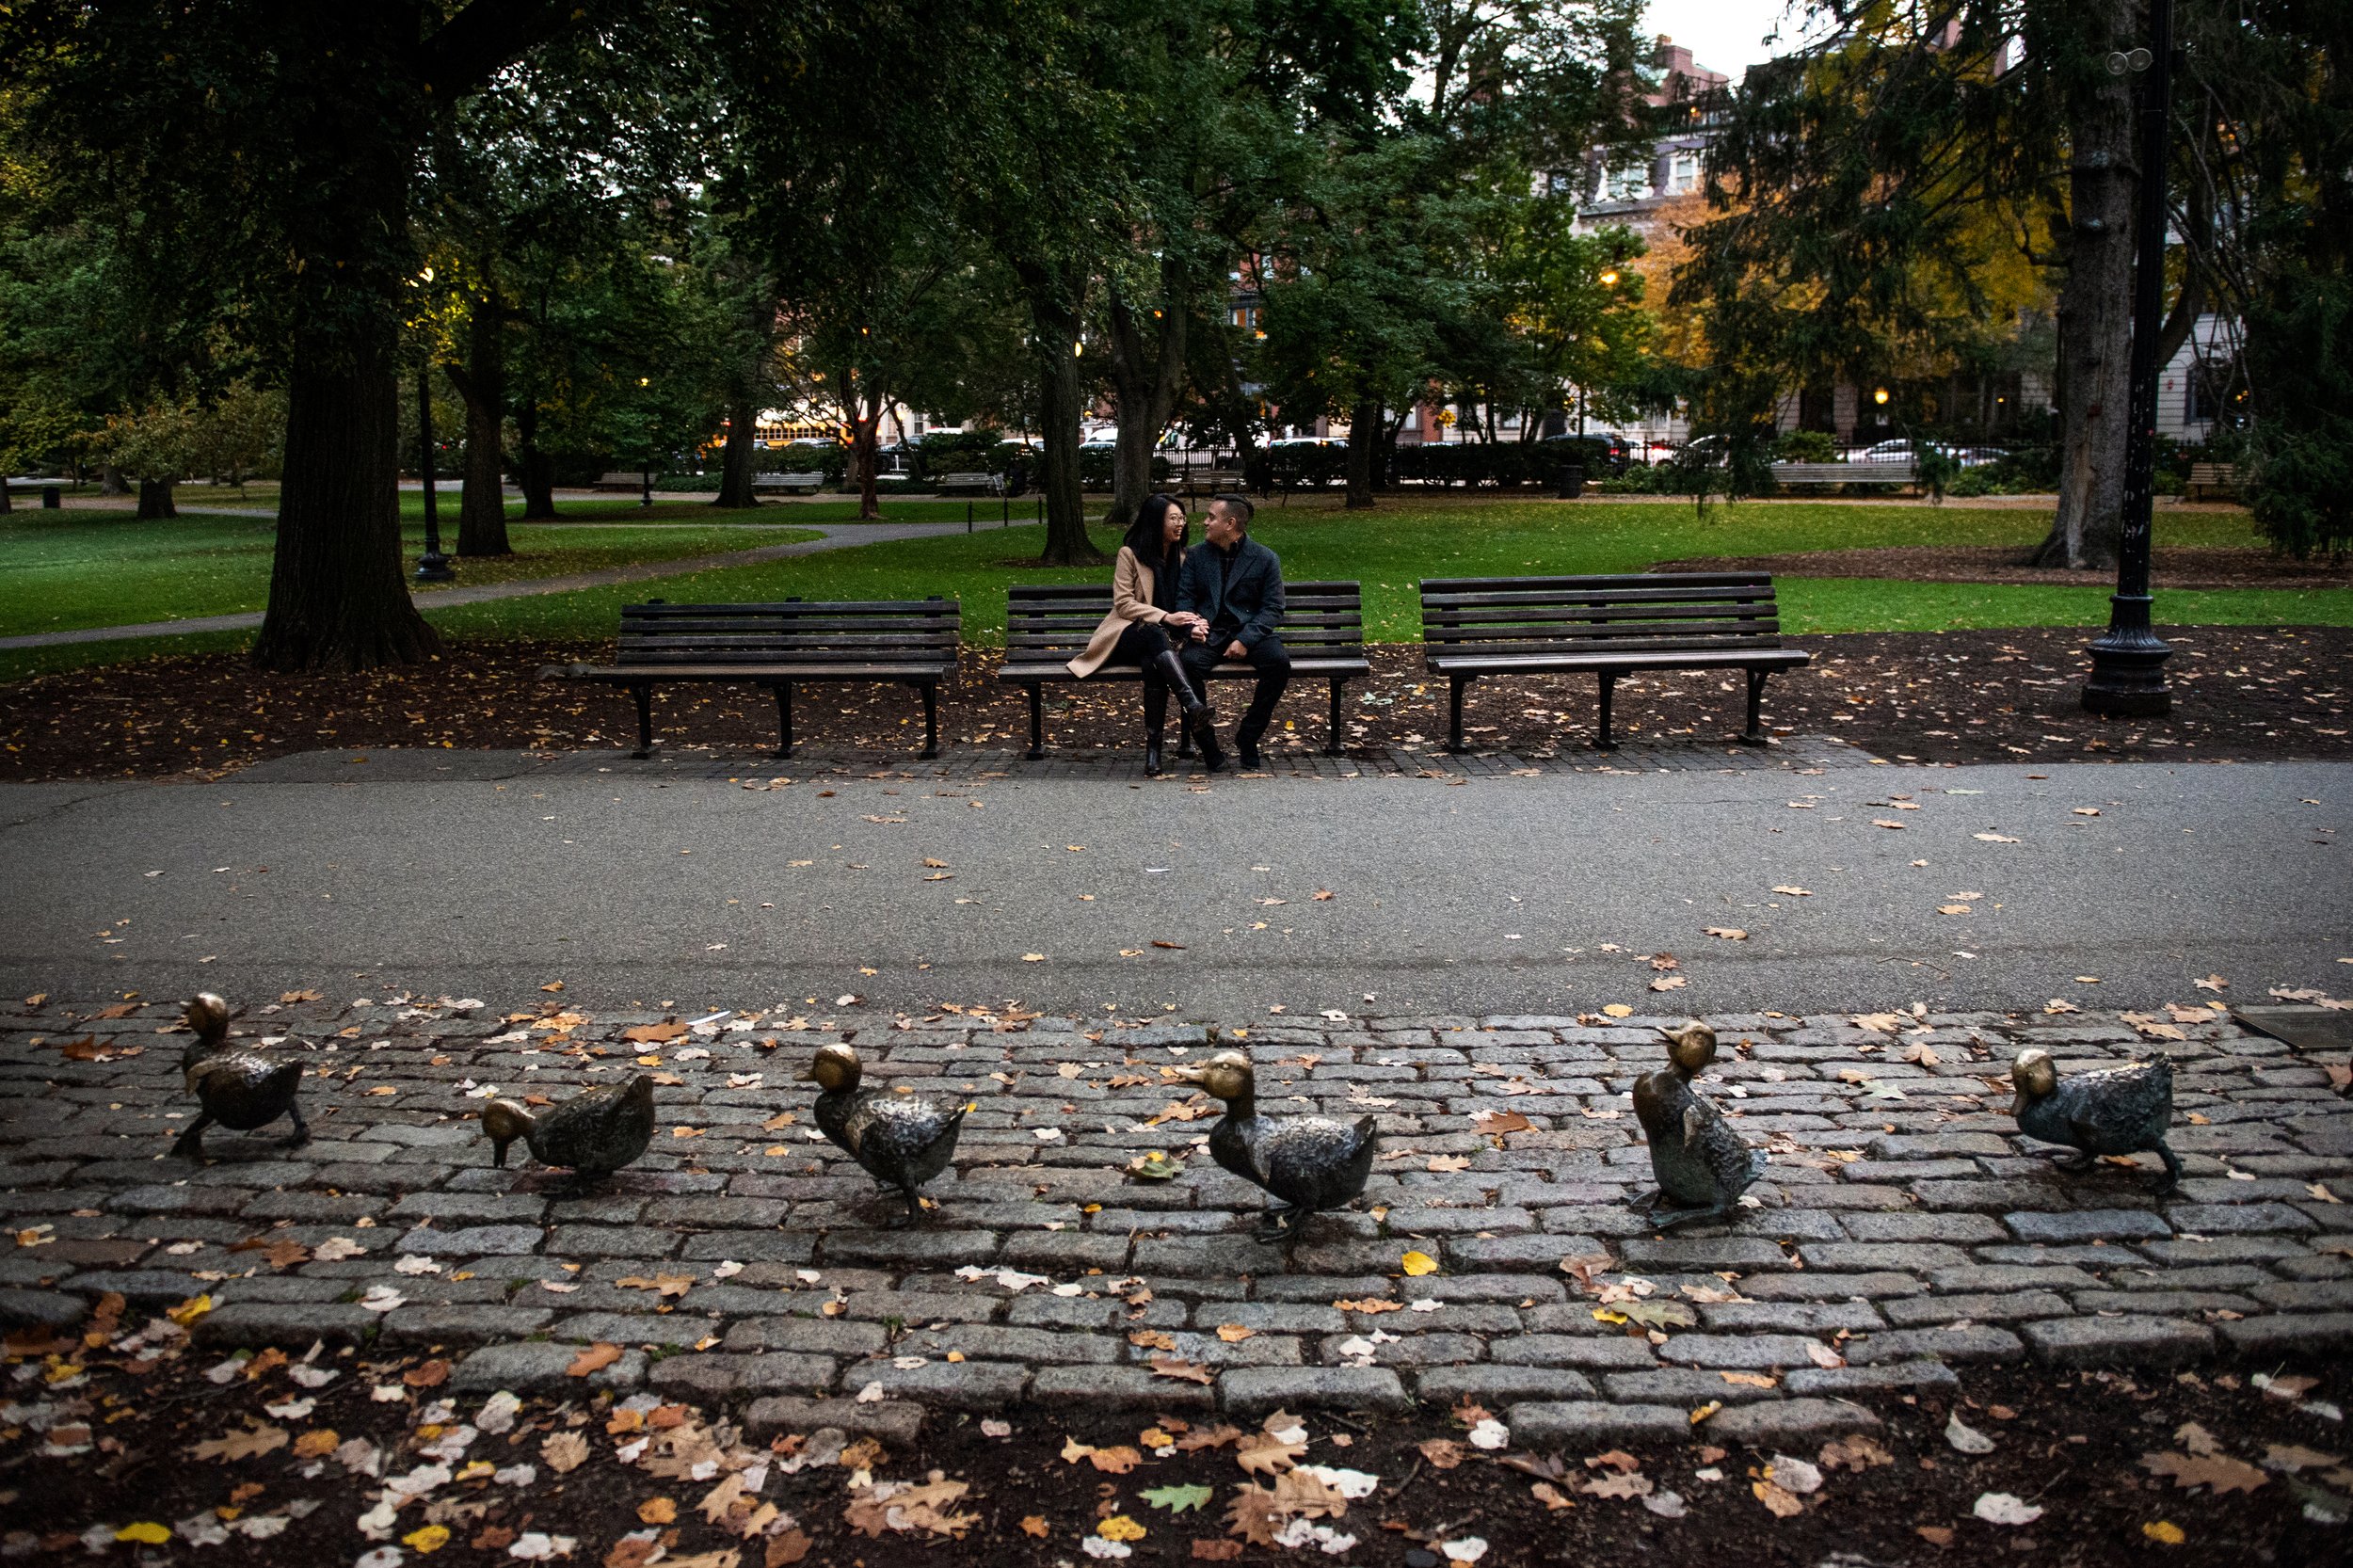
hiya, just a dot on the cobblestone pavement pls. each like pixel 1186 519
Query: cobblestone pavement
pixel 1903 1228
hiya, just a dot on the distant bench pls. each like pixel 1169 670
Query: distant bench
pixel 2205 479
pixel 620 481
pixel 1612 626
pixel 987 484
pixel 1906 472
pixel 1047 625
pixel 804 484
pixel 909 642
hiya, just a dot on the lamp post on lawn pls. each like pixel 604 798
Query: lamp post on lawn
pixel 2127 677
pixel 433 567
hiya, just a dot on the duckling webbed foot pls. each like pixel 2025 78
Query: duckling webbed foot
pixel 1675 1217
pixel 1647 1203
pixel 1279 1224
pixel 301 1133
pixel 2172 1177
pixel 190 1144
pixel 2070 1160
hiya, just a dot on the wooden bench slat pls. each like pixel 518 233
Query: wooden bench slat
pixel 1611 625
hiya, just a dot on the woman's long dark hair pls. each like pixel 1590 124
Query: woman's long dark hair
pixel 1144 533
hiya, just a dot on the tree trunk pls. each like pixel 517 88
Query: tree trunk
pixel 155 500
pixel 1061 404
pixel 735 463
pixel 110 481
pixel 481 382
pixel 337 601
pixel 1147 385
pixel 533 472
pixel 865 410
pixel 7 503
pixel 2095 318
pixel 1364 440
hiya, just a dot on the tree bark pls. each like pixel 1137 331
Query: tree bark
pixel 864 405
pixel 481 382
pixel 533 472
pixel 2095 324
pixel 1061 405
pixel 735 462
pixel 1364 442
pixel 1148 384
pixel 110 481
pixel 155 500
pixel 337 599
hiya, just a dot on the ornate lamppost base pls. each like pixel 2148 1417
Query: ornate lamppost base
pixel 2127 679
pixel 433 567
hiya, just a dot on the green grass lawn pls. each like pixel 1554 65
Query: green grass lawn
pixel 1389 550
pixel 1392 549
pixel 67 569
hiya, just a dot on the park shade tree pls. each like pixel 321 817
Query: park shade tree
pixel 306 124
pixel 1876 192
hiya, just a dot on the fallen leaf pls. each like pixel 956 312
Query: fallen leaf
pixel 2164 1532
pixel 1234 1334
pixel 1443 1453
pixel 658 1511
pixel 2218 1471
pixel 256 1438
pixel 565 1451
pixel 2003 1507
pixel 1181 1369
pixel 1035 1525
pixel 1965 1438
pixel 1935 1535
pixel 1418 1263
pixel 1178 1498
pixel 1794 893
pixel 1729 932
pixel 1212 1550
pixel 1780 1500
pixel 1499 1122
pixel 595 1358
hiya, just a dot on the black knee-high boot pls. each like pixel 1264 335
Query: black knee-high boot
pixel 1154 720
pixel 1171 670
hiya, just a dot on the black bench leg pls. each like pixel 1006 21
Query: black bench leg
pixel 644 719
pixel 1332 743
pixel 931 719
pixel 784 720
pixel 1754 734
pixel 1037 720
pixel 1455 715
pixel 1609 689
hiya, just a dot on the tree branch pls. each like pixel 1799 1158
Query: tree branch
pixel 468 50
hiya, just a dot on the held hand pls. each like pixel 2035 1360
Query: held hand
pixel 1200 630
pixel 1237 650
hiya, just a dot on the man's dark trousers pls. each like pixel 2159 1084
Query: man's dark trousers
pixel 1273 662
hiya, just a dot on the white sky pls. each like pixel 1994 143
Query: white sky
pixel 1727 35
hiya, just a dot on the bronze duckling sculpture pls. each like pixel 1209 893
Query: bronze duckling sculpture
pixel 902 1141
pixel 1700 1162
pixel 2117 1110
pixel 1307 1163
pixel 594 1133
pixel 241 1087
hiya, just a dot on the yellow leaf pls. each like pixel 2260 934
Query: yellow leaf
pixel 2164 1532
pixel 146 1534
pixel 1035 1525
pixel 1618 1010
pixel 1120 1528
pixel 188 1311
pixel 1419 1263
pixel 432 1537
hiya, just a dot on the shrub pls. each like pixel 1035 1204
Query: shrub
pixel 1805 446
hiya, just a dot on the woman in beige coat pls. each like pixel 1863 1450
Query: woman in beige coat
pixel 1145 627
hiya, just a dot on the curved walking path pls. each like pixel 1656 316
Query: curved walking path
pixel 835 536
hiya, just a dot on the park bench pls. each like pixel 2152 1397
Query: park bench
pixel 620 481
pixel 909 642
pixel 1047 625
pixel 1201 482
pixel 987 484
pixel 804 484
pixel 1846 473
pixel 2205 479
pixel 1612 626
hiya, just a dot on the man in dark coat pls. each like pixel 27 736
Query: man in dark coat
pixel 1235 583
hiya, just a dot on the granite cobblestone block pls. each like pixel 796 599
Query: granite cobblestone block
pixel 1949 1240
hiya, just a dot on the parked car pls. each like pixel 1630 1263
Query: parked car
pixel 1597 452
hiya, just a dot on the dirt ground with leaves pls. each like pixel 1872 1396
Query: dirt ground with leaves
pixel 2242 694
pixel 124 1441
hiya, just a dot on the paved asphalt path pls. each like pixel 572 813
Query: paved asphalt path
pixel 834 536
pixel 473 873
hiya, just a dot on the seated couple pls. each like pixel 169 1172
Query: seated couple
pixel 1176 613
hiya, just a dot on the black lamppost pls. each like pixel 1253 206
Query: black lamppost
pixel 2127 677
pixel 433 567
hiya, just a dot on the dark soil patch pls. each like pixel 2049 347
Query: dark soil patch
pixel 2186 566
pixel 2069 1444
pixel 2242 694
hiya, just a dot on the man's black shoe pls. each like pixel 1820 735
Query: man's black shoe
pixel 1250 758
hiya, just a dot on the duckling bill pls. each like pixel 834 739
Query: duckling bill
pixel 1700 1162
pixel 241 1087
pixel 1307 1163
pixel 902 1141
pixel 2117 1110
pixel 595 1134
